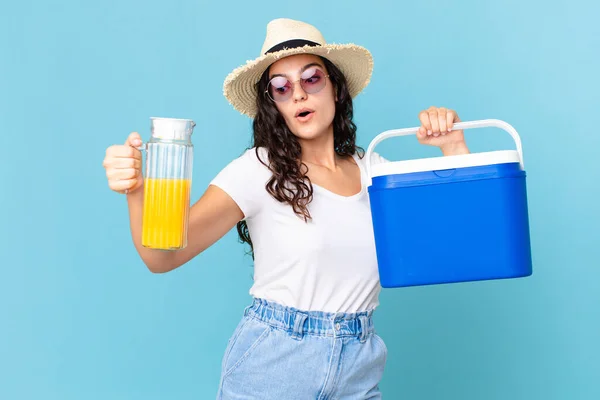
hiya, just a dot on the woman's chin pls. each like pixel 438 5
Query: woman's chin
pixel 311 132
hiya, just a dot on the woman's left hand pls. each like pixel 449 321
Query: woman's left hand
pixel 437 130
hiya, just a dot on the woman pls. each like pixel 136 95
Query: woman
pixel 299 199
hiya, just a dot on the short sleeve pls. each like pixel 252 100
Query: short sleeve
pixel 376 158
pixel 244 179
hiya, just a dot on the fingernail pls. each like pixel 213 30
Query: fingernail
pixel 429 132
pixel 449 129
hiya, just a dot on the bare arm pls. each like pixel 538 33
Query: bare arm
pixel 211 217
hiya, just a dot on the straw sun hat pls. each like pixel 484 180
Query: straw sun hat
pixel 286 37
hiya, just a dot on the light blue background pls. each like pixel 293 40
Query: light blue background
pixel 81 317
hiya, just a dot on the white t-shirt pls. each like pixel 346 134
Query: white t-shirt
pixel 326 264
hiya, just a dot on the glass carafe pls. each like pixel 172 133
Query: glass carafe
pixel 167 183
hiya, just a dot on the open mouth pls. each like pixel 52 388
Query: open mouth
pixel 304 114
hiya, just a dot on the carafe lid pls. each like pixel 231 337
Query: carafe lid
pixel 172 128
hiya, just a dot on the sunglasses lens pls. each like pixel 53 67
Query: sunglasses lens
pixel 280 89
pixel 313 80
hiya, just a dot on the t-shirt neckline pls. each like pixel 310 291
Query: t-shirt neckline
pixel 342 197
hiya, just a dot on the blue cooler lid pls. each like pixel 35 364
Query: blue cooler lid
pixel 448 169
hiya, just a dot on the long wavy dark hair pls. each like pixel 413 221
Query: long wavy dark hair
pixel 289 183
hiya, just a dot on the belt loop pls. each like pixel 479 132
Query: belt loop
pixel 364 328
pixel 333 327
pixel 298 330
pixel 254 305
pixel 246 310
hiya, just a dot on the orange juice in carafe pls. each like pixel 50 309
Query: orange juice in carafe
pixel 167 184
pixel 165 213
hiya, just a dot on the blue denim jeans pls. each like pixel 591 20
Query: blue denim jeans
pixel 281 353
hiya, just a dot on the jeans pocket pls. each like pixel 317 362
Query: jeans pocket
pixel 249 337
pixel 231 342
pixel 381 343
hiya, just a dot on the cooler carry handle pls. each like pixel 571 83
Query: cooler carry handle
pixel 485 123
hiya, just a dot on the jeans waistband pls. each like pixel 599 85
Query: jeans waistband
pixel 299 323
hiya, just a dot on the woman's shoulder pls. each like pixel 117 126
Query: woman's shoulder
pixel 252 163
pixel 246 170
pixel 375 158
pixel 253 157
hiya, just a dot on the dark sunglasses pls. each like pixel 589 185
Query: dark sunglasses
pixel 311 81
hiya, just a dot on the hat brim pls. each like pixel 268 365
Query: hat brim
pixel 355 62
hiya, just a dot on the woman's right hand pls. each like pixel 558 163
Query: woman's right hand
pixel 123 164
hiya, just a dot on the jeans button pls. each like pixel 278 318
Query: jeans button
pixel 337 326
